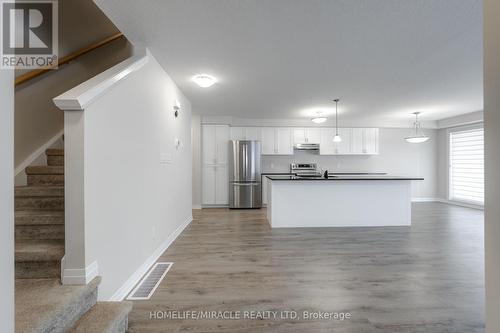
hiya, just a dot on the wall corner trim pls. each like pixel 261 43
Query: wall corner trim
pixel 70 276
pixel 125 289
pixel 78 98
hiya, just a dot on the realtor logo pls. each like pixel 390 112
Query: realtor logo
pixel 29 34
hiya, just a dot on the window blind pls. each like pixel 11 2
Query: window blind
pixel 467 166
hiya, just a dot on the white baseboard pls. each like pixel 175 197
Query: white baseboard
pixel 83 276
pixel 196 206
pixel 461 204
pixel 424 199
pixel 36 154
pixel 125 289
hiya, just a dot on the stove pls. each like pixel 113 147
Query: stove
pixel 305 170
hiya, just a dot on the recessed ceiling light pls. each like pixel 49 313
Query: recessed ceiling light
pixel 204 80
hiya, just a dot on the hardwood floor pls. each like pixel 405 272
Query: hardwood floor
pixel 427 278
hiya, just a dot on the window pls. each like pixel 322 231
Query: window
pixel 467 166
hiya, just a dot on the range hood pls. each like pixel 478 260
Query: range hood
pixel 307 146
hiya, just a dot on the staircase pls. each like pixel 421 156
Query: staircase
pixel 43 304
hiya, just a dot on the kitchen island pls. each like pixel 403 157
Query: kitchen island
pixel 339 201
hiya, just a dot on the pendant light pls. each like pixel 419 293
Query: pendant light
pixel 337 137
pixel 418 136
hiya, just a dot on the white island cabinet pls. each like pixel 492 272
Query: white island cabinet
pixel 342 201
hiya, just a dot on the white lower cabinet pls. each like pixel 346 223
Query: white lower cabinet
pixel 215 185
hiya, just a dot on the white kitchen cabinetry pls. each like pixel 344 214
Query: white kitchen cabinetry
pixel 246 133
pixel 371 141
pixel 306 135
pixel 355 141
pixel 277 141
pixel 215 147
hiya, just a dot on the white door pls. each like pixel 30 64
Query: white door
pixel 222 143
pixel 253 133
pixel 313 135
pixel 326 145
pixel 221 185
pixel 208 184
pixel 237 133
pixel 299 135
pixel 344 147
pixel 208 144
pixel 371 141
pixel 357 140
pixel 268 141
pixel 284 141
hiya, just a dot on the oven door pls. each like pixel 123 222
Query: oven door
pixel 245 195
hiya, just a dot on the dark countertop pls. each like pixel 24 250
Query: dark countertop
pixel 345 177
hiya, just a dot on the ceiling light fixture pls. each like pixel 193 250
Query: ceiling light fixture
pixel 418 136
pixel 204 80
pixel 319 119
pixel 337 137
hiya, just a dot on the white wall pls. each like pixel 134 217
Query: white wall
pixel 196 148
pixel 134 203
pixel 7 201
pixel 492 162
pixel 397 157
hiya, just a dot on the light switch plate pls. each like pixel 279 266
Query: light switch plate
pixel 165 158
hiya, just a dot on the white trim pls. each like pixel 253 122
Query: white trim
pixel 196 207
pixel 170 264
pixel 125 289
pixel 71 276
pixel 84 94
pixel 37 153
pixel 425 199
pixel 462 204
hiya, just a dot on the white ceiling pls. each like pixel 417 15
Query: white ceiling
pixel 288 58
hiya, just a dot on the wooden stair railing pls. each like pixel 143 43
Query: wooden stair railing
pixel 64 60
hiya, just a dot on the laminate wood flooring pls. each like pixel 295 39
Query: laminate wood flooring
pixel 425 278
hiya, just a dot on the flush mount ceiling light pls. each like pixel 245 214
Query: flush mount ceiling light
pixel 319 119
pixel 204 80
pixel 418 136
pixel 337 137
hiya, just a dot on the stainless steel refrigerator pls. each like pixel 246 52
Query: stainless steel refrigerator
pixel 245 189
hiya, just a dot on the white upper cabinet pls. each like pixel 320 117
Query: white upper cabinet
pixel 222 143
pixel 306 135
pixel 371 141
pixel 355 141
pixel 344 147
pixel 246 133
pixel 284 144
pixel 268 138
pixel 277 141
pixel 215 140
pixel 254 133
pixel 237 133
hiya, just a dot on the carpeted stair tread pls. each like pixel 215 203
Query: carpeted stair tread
pixel 54 152
pixel 44 305
pixel 44 170
pixel 39 191
pixel 104 317
pixel 39 217
pixel 37 250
